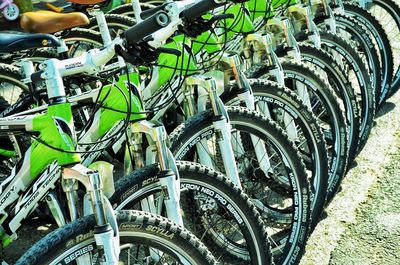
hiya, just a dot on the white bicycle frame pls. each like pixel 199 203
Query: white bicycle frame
pixel 157 134
pixel 21 179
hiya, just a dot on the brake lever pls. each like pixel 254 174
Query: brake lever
pixel 220 17
pixel 122 52
pixel 168 50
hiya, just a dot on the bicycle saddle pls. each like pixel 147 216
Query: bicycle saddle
pixel 18 41
pixel 51 22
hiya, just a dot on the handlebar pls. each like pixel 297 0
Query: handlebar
pixel 93 61
pixel 200 8
pixel 191 13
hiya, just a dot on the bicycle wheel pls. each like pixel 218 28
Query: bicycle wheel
pixel 326 65
pixel 80 40
pixel 11 85
pixel 144 239
pixel 302 128
pixel 376 31
pixel 388 11
pixel 350 29
pixel 11 89
pixel 212 208
pixel 276 182
pixel 361 80
pixel 325 106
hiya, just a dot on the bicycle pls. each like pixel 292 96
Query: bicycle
pixel 9 9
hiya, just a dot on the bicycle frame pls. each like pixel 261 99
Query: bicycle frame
pixel 62 52
pixel 56 128
pixel 107 122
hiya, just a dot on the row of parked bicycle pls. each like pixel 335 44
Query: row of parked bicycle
pixel 102 110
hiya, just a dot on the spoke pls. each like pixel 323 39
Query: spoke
pixel 273 156
pixel 315 105
pixel 320 114
pixel 302 142
pixel 273 168
pixel 237 143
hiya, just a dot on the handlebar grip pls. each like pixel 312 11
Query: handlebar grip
pixel 200 8
pixel 36 76
pixel 149 12
pixel 147 27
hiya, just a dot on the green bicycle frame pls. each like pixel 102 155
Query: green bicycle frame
pixel 56 129
pixel 115 103
pixel 168 65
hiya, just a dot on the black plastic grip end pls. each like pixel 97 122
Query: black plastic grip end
pixel 147 27
pixel 36 76
pixel 200 8
pixel 149 12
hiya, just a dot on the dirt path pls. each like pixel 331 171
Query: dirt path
pixel 374 237
pixel 363 223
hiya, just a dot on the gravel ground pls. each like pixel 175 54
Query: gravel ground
pixel 374 237
pixel 362 224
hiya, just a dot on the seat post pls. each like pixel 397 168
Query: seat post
pixel 62 49
pixel 137 9
pixel 102 23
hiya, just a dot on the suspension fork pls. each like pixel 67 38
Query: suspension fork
pixel 245 92
pixel 207 85
pixel 168 177
pixel 286 26
pixel 330 17
pixel 190 109
pixel 263 44
pixel 306 17
pixel 294 50
pixel 296 55
pixel 338 7
pixel 106 229
pixel 246 95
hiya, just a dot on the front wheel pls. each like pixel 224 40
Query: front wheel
pixel 285 108
pixel 325 105
pixel 270 168
pixel 144 239
pixel 212 208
